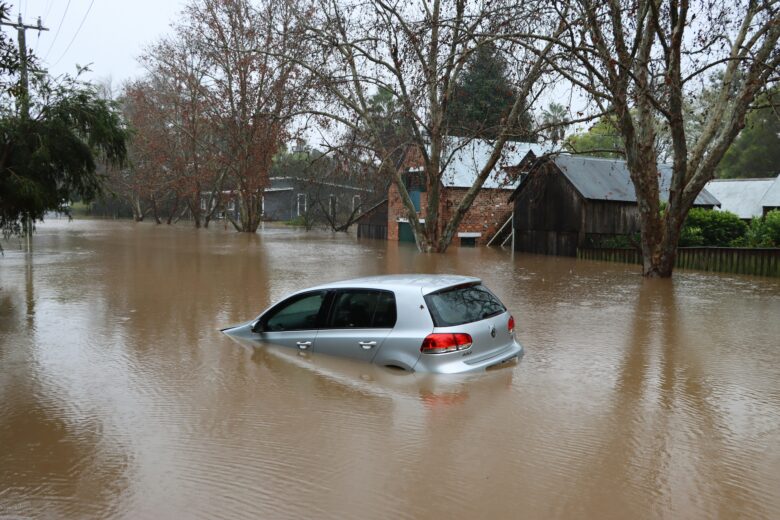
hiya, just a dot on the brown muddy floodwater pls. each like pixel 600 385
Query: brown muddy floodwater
pixel 119 397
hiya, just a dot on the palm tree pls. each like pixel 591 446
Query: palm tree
pixel 553 118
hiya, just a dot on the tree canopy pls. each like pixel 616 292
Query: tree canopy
pixel 600 140
pixel 482 98
pixel 756 151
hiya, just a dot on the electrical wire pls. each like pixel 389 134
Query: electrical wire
pixel 77 33
pixel 48 9
pixel 58 30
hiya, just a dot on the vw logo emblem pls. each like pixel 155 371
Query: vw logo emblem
pixel 492 331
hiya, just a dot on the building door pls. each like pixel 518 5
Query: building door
pixel 405 233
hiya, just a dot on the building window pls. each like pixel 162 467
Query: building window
pixel 355 202
pixel 468 241
pixel 332 206
pixel 301 204
pixel 415 196
pixel 262 205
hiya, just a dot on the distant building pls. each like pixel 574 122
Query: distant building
pixel 745 197
pixel 570 201
pixel 464 159
pixel 288 198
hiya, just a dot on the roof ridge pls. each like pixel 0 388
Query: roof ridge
pixel 770 179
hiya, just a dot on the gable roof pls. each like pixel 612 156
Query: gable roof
pixel 740 196
pixel 608 179
pixel 771 198
pixel 470 155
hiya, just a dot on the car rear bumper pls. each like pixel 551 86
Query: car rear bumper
pixel 457 362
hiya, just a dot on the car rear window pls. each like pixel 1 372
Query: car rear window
pixel 463 304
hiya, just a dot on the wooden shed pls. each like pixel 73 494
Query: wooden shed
pixel 373 223
pixel 569 201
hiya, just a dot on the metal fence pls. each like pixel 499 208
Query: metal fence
pixel 760 262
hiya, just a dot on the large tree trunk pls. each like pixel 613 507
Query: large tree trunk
pixel 250 204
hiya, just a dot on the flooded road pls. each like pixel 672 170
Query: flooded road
pixel 120 398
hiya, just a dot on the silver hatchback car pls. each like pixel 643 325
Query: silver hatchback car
pixel 426 323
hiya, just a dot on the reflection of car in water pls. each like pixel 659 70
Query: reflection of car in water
pixel 425 323
pixel 434 391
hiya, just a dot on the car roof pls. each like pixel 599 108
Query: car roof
pixel 426 282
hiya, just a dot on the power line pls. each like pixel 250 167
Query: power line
pixel 44 17
pixel 58 30
pixel 77 33
pixel 48 10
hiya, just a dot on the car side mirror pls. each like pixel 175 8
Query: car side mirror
pixel 258 327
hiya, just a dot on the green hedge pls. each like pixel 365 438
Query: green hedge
pixel 725 229
pixel 705 227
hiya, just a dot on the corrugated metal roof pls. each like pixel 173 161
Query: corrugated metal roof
pixel 740 196
pixel 609 179
pixel 771 198
pixel 467 162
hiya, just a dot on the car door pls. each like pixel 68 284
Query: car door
pixel 294 321
pixel 357 324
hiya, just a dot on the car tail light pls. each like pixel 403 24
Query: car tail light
pixel 511 325
pixel 441 343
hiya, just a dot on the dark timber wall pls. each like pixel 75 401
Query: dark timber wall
pixel 548 214
pixel 552 218
pixel 374 223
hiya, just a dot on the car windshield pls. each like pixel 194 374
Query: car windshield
pixel 463 304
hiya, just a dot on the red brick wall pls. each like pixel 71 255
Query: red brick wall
pixel 488 212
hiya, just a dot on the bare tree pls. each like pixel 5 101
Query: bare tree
pixel 642 60
pixel 178 71
pixel 252 94
pixel 415 52
pixel 150 180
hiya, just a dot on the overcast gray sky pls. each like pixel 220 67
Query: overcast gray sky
pixel 112 33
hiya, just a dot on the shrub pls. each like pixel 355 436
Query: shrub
pixel 713 228
pixel 772 228
pixel 691 236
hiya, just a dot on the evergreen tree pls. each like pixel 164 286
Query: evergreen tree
pixel 483 97
pixel 756 151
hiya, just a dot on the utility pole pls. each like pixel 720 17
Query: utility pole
pixel 24 96
pixel 21 28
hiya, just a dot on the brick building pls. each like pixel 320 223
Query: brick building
pixel 491 208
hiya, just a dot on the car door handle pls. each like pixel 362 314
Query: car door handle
pixel 367 345
pixel 303 345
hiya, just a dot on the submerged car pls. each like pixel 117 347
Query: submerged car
pixel 426 323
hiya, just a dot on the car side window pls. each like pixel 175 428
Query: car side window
pixel 363 309
pixel 299 313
